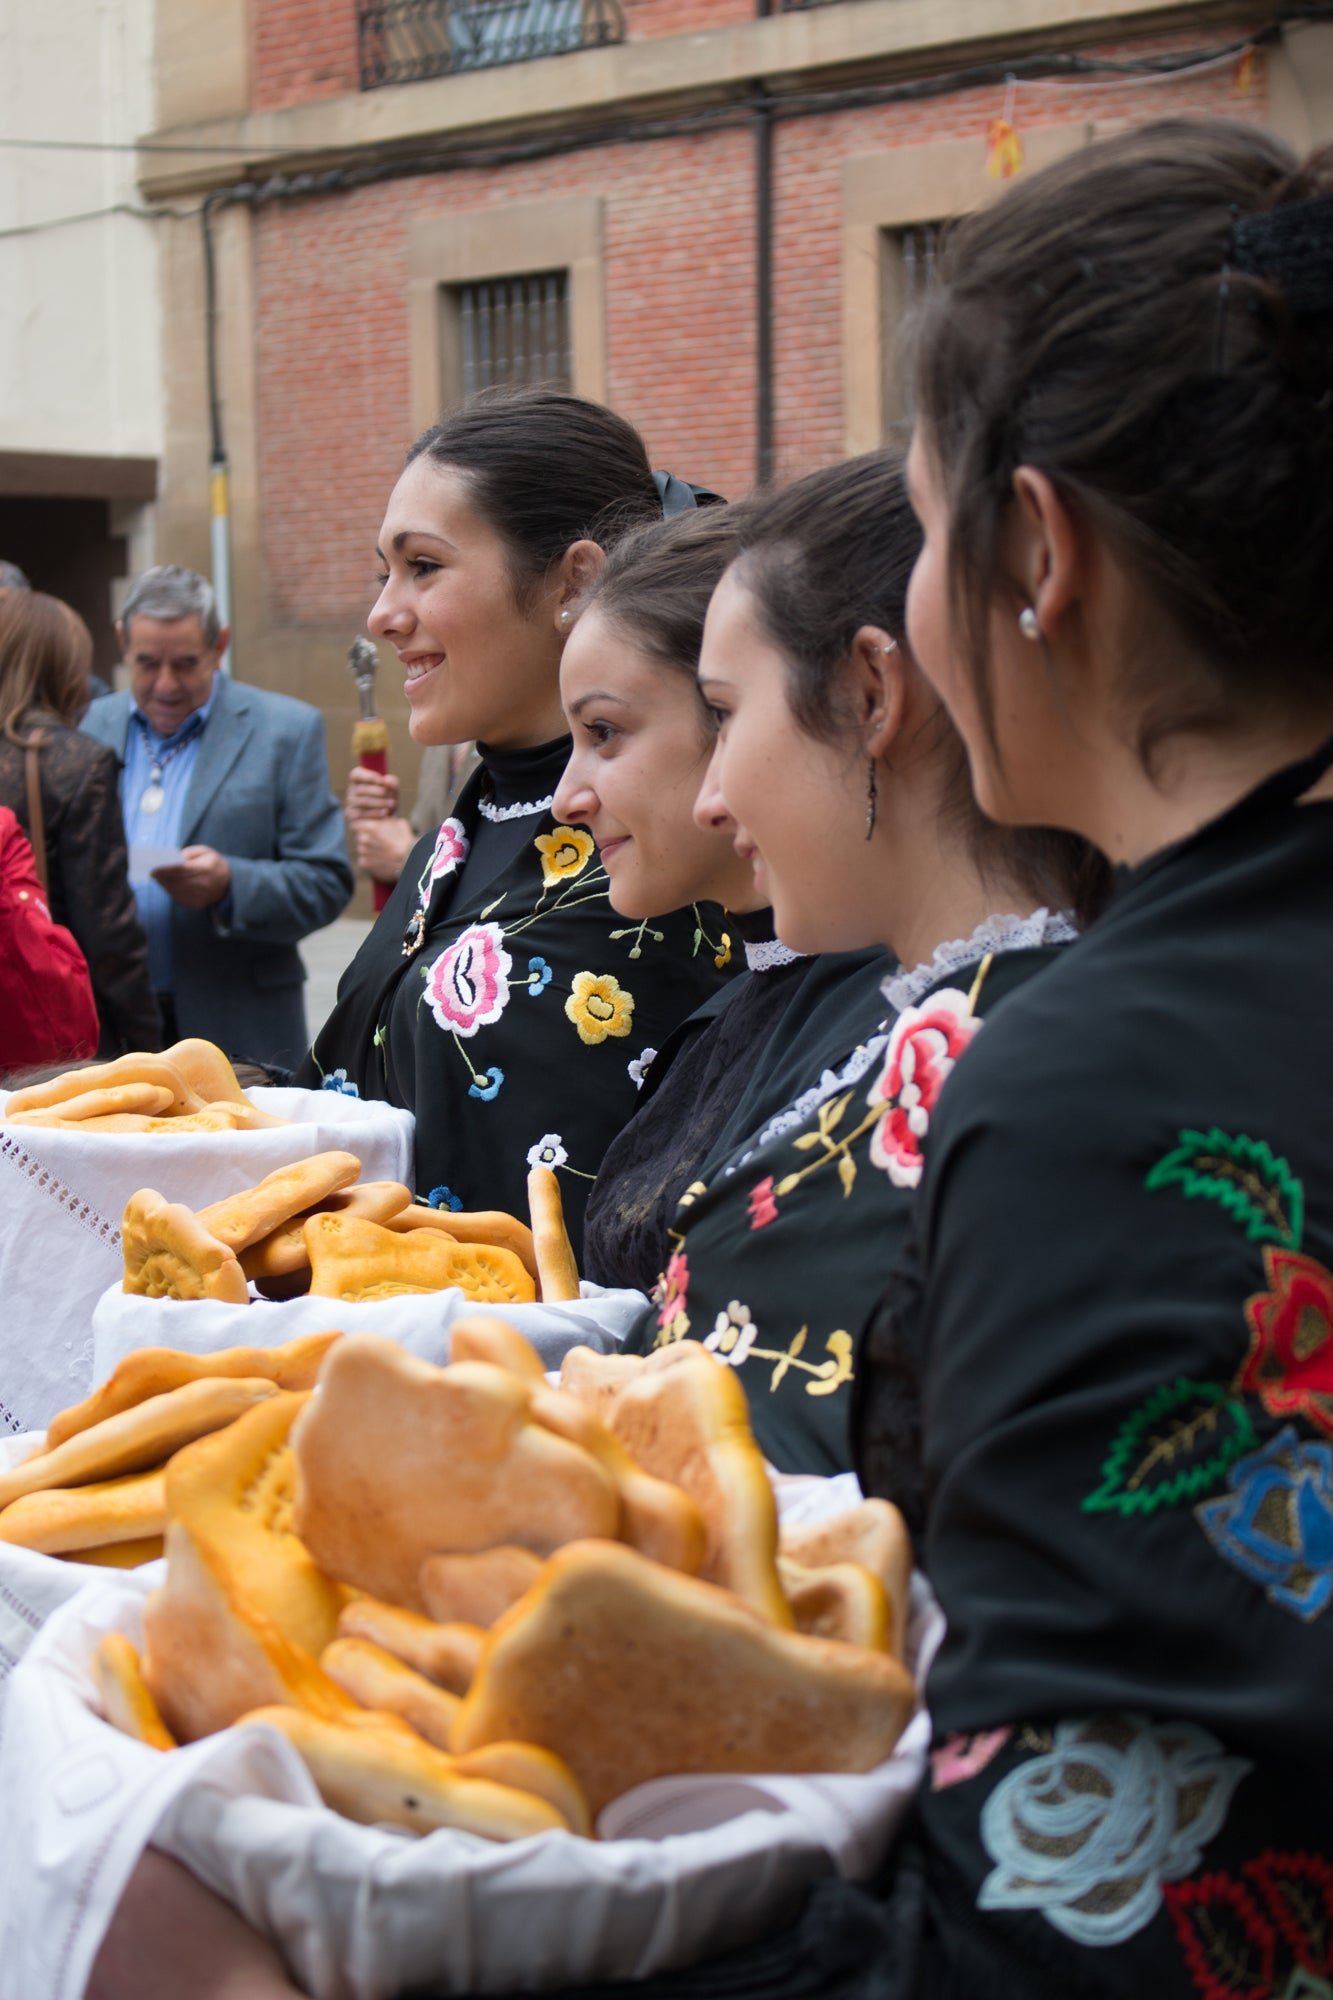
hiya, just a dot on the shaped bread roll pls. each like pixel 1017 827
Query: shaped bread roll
pixel 151 1371
pixel 873 1534
pixel 283 1251
pixel 689 1424
pixel 444 1653
pixel 557 1272
pixel 351 1259
pixel 673 1675
pixel 123 1693
pixel 242 1219
pixel 397 1459
pixel 133 1440
pixel 128 1069
pixel 380 1680
pixel 55 1521
pixel 657 1516
pixel 120 1555
pixel 530 1769
pixel 840 1601
pixel 169 1253
pixel 209 1073
pixel 474 1587
pixel 398 1781
pixel 485 1339
pixel 482 1225
pixel 144 1099
pixel 597 1379
pixel 233 1491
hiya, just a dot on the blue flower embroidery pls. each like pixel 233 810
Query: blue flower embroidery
pixel 443 1197
pixel 489 1089
pixel 1276 1523
pixel 337 1080
pixel 539 977
pixel 1088 1832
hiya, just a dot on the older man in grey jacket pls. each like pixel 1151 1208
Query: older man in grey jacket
pixel 237 848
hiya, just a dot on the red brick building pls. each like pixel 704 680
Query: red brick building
pixel 709 213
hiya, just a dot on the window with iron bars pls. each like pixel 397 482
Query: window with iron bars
pixel 404 41
pixel 510 330
pixel 907 271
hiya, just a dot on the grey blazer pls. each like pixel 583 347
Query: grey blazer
pixel 259 793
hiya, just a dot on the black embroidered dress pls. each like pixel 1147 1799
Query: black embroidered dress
pixel 502 1000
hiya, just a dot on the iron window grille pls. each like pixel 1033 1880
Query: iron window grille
pixel 513 331
pixel 404 41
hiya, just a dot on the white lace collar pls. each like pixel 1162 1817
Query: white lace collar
pixel 770 953
pixel 525 809
pixel 993 934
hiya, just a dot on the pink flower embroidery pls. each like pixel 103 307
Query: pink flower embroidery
pixel 961 1757
pixel 762 1207
pixel 450 849
pixel 925 1044
pixel 675 1279
pixel 468 986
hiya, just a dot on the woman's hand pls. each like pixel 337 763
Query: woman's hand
pixel 370 795
pixel 172 1936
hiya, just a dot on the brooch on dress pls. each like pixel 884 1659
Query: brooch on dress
pixel 415 933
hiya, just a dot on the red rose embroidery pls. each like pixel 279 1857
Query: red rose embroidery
pixel 762 1208
pixel 925 1044
pixel 1290 1363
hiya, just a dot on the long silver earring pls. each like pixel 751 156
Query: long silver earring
pixel 1028 623
pixel 872 800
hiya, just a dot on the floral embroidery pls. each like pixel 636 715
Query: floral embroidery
pixel 486 1086
pixel 1172 1449
pixel 599 1006
pixel 1244 1176
pixel 1276 1523
pixel 924 1044
pixel 451 845
pixel 443 1197
pixel 1233 1932
pixel 539 977
pixel 638 932
pixel 733 1335
pixel 965 1756
pixel 638 1069
pixel 1290 1363
pixel 549 1151
pixel 672 1317
pixel 1089 1833
pixel 722 956
pixel 337 1079
pixel 565 853
pixel 761 1207
pixel 468 986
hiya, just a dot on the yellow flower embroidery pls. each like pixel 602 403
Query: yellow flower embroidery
pixel 599 1006
pixel 722 956
pixel 565 853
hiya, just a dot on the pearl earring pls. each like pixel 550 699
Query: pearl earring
pixel 1027 623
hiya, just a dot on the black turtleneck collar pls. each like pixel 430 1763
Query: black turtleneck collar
pixel 521 777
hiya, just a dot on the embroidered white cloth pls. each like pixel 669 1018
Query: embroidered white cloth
pixel 62 1195
pixel 362 1913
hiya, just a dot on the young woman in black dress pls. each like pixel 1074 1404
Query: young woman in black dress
pixel 498 996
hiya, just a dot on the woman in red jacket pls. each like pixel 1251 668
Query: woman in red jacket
pixel 47 1013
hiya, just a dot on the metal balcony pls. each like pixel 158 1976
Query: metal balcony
pixel 402 41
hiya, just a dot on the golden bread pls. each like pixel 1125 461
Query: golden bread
pixel 169 1253
pixel 557 1272
pixel 391 1779
pixel 243 1219
pixel 482 1225
pixel 210 1075
pixel 144 1099
pixel 352 1259
pixel 132 1069
pixel 689 1425
pixel 658 1519
pixel 380 1680
pixel 840 1601
pixel 397 1459
pixel 484 1339
pixel 150 1371
pixel 874 1534
pixel 530 1769
pixel 123 1693
pixel 120 1555
pixel 283 1252
pixel 58 1520
pixel 208 1658
pixel 597 1379
pixel 630 1671
pixel 233 1491
pixel 135 1439
pixel 475 1587
pixel 446 1654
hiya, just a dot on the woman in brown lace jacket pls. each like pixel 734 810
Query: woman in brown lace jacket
pixel 45 652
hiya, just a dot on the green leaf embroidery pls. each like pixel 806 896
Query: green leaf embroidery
pixel 1172 1448
pixel 1244 1176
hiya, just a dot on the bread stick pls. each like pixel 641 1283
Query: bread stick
pixel 151 1371
pixel 557 1273
pixel 54 1522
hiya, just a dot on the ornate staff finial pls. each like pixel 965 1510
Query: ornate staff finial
pixel 363 664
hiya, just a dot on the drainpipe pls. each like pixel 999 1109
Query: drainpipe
pixel 763 268
pixel 219 472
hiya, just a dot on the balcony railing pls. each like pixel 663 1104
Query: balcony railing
pixel 402 41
